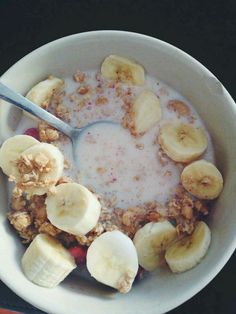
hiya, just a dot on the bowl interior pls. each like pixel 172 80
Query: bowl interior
pixel 217 109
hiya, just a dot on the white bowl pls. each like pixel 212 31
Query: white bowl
pixel 162 290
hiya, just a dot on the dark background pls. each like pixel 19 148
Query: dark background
pixel 204 29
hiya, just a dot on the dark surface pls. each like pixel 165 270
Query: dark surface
pixel 204 29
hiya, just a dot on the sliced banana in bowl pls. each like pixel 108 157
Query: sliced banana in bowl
pixel 182 142
pixel 34 166
pixel 41 93
pixel 39 168
pixel 112 260
pixel 73 208
pixel 117 68
pixel 151 242
pixel 11 150
pixel 147 111
pixel 46 262
pixel 187 252
pixel 202 179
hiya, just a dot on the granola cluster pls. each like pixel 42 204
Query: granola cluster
pixel 31 171
pixel 179 107
pixel 47 133
pixel 128 119
pixel 29 217
pixel 185 211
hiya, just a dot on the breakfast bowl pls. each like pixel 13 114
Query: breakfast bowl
pixel 159 291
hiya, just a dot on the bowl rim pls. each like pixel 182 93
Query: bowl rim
pixel 220 263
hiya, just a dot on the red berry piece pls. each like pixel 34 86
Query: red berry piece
pixel 79 253
pixel 32 132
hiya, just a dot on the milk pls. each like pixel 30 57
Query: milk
pixel 108 158
pixel 110 162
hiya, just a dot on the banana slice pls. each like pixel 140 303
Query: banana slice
pixel 46 262
pixel 121 69
pixel 42 92
pixel 189 251
pixel 182 142
pixel 147 111
pixel 73 208
pixel 39 168
pixel 112 260
pixel 151 242
pixel 202 179
pixel 10 151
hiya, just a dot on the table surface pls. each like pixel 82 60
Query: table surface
pixel 204 29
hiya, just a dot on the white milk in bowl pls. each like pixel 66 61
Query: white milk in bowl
pixel 109 159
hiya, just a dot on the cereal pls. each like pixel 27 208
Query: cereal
pixel 20 220
pixel 47 133
pixel 94 99
pixel 79 77
pixel 134 180
pixel 179 107
pixel 101 100
pixel 62 112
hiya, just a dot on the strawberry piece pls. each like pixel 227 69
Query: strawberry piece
pixel 32 132
pixel 79 253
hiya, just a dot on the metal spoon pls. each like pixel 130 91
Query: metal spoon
pixel 23 103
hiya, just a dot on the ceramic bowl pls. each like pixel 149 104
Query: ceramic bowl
pixel 161 291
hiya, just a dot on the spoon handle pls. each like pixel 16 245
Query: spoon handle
pixel 23 103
